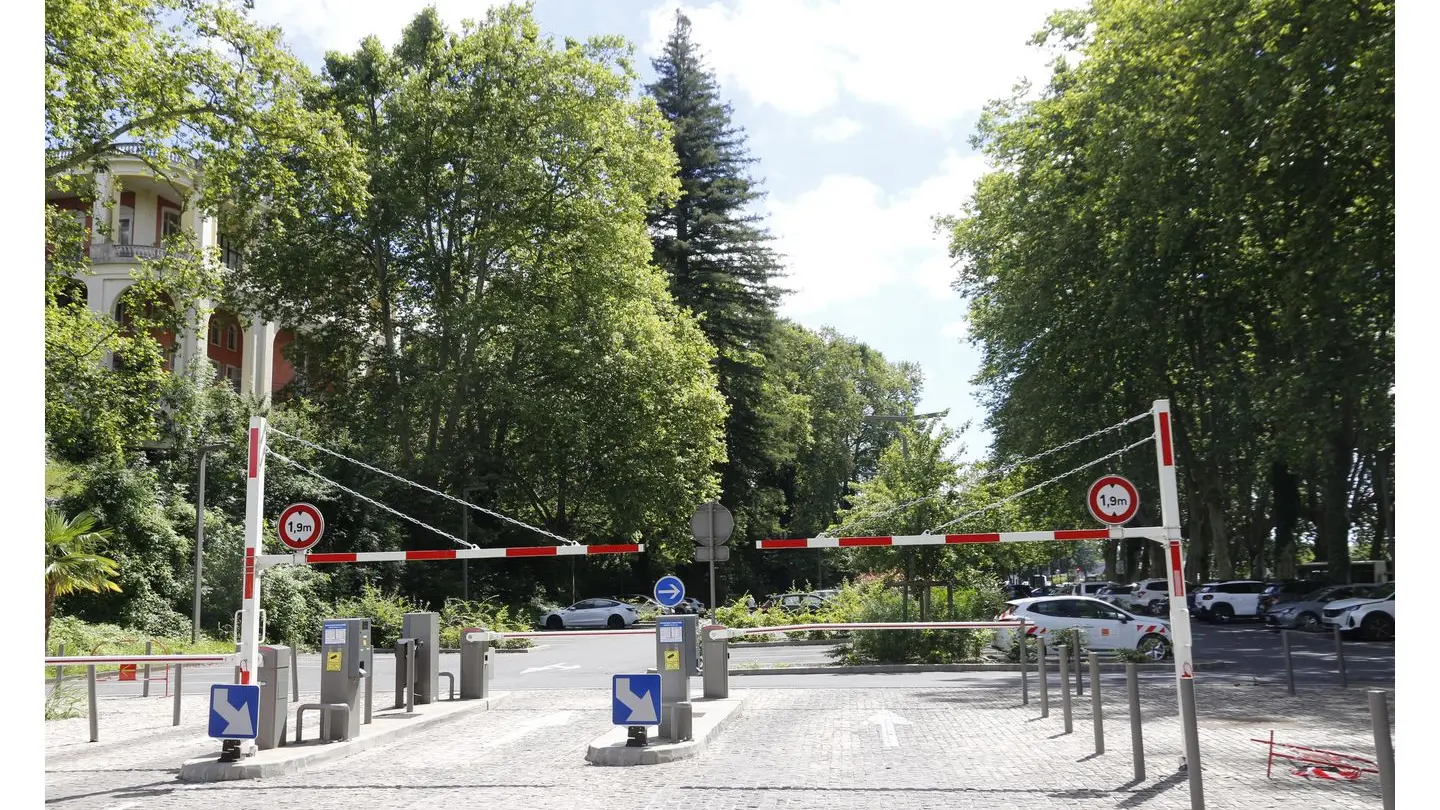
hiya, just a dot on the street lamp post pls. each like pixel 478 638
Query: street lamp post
pixel 905 453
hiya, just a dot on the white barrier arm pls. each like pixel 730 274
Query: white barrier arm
pixel 737 632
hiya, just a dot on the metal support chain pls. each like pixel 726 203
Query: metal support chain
pixel 418 485
pixel 1006 469
pixel 297 465
pixel 1087 465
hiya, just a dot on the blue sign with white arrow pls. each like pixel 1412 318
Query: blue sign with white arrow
pixel 669 590
pixel 635 700
pixel 234 711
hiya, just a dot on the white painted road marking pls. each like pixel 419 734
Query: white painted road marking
pixel 552 666
pixel 888 721
pixel 544 721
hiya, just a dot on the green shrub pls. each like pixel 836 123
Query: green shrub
pixel 82 638
pixel 294 608
pixel 1032 650
pixel 883 604
pixel 457 615
pixel 63 702
pixel 1073 637
pixel 1129 656
pixel 386 612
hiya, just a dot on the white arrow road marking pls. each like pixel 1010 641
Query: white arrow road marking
pixel 888 721
pixel 551 666
pixel 544 721
pixel 237 721
pixel 641 709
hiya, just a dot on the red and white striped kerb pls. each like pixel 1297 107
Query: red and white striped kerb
pixel 454 554
pixel 952 539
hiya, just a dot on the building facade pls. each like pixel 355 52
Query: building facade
pixel 133 212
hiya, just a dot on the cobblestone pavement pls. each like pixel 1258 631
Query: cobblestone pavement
pixel 968 746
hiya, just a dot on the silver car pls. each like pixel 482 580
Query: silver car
pixel 1305 612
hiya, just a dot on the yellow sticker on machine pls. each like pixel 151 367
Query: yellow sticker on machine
pixel 672 660
pixel 332 662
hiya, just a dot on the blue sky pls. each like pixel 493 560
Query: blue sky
pixel 859 114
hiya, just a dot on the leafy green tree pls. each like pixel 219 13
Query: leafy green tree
pixel 717 256
pixel 1201 209
pixel 71 562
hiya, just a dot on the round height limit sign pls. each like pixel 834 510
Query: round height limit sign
pixel 1113 500
pixel 301 525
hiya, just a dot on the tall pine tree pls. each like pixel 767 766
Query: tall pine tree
pixel 720 265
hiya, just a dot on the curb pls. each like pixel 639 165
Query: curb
pixel 873 669
pixel 609 749
pixel 207 769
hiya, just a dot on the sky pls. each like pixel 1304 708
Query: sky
pixel 860 120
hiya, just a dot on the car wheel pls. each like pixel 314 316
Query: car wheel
pixel 554 623
pixel 1307 621
pixel 1155 647
pixel 615 622
pixel 1222 613
pixel 1378 627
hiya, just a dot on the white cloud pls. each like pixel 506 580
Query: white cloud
pixel 846 238
pixel 313 27
pixel 934 62
pixel 839 129
pixel 955 330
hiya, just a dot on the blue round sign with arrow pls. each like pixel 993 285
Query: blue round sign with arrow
pixel 669 590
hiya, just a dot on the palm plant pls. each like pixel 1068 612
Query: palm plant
pixel 71 564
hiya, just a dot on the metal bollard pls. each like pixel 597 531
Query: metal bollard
pixel 179 687
pixel 1192 743
pixel 1137 738
pixel 295 674
pixel 1044 679
pixel 94 713
pixel 145 688
pixel 1289 667
pixel 1095 707
pixel 1340 659
pixel 1384 750
pixel 1064 652
pixel 60 670
pixel 1024 644
pixel 369 693
pixel 1079 675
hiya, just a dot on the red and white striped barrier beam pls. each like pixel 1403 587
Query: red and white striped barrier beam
pixel 1115 533
pixel 737 632
pixel 301 558
pixel 139 659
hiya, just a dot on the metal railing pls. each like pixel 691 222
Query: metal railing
pixel 102 252
pixel 91 661
pixel 131 149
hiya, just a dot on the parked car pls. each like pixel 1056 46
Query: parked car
pixel 1115 594
pixel 1018 590
pixel 1151 597
pixel 827 593
pixel 1278 592
pixel 1373 616
pixel 1083 588
pixel 1228 601
pixel 796 602
pixel 643 603
pixel 1304 613
pixel 1192 595
pixel 689 605
pixel 1106 627
pixel 610 613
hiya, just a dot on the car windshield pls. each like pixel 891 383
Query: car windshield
pixel 1385 591
pixel 1319 594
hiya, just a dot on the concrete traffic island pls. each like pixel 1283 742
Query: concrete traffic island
pixel 388 726
pixel 708 716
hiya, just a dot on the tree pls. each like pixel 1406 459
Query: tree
pixel 720 266
pixel 490 322
pixel 71 563
pixel 1200 209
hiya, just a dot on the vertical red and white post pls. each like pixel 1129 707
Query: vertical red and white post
pixel 1170 523
pixel 249 653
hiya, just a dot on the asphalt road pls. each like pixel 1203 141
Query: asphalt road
pixel 1254 653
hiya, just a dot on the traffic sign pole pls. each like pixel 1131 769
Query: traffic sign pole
pixel 712 564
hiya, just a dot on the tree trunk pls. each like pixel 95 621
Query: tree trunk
pixel 1380 475
pixel 1112 550
pixel 1335 508
pixel 1286 489
pixel 49 612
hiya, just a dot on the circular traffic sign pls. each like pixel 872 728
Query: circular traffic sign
pixel 1113 500
pixel 712 524
pixel 669 590
pixel 301 526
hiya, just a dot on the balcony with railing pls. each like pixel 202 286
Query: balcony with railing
pixel 111 253
pixel 138 150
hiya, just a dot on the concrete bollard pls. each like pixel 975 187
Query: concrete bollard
pixel 1137 738
pixel 1064 652
pixel 1340 659
pixel 1289 667
pixel 179 687
pixel 1096 710
pixel 1044 679
pixel 1384 750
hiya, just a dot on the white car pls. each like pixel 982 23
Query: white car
pixel 1373 616
pixel 1227 601
pixel 591 613
pixel 1105 626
